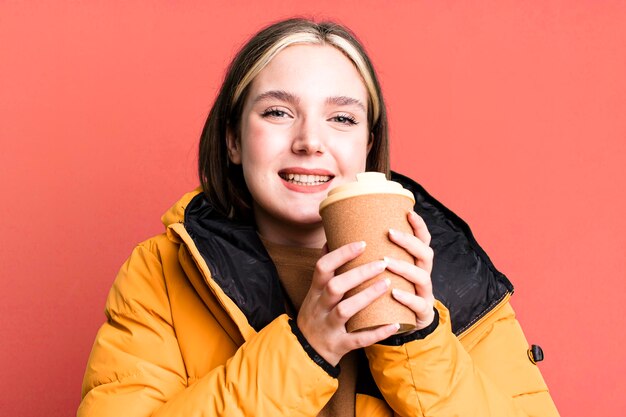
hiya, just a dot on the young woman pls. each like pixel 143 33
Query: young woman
pixel 236 309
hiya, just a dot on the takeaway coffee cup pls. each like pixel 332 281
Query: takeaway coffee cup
pixel 365 210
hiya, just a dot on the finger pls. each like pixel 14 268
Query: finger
pixel 419 227
pixel 337 286
pixel 420 250
pixel 364 338
pixel 418 276
pixel 422 307
pixel 352 305
pixel 327 264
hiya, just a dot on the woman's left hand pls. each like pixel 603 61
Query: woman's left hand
pixel 418 245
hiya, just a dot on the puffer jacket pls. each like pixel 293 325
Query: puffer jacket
pixel 196 327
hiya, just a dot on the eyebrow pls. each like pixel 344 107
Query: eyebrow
pixel 346 101
pixel 292 99
pixel 277 95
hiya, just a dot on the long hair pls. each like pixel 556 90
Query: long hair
pixel 223 182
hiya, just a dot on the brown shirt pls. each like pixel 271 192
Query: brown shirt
pixel 295 268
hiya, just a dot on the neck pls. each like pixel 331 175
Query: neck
pixel 289 234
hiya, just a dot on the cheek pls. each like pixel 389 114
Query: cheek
pixel 353 154
pixel 254 143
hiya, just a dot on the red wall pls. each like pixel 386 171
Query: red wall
pixel 511 112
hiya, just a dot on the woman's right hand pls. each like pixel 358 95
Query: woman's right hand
pixel 324 312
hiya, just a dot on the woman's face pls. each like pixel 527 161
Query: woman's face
pixel 303 131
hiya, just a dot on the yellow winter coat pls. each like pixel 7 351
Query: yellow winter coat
pixel 183 338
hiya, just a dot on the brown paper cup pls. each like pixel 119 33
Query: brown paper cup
pixel 367 213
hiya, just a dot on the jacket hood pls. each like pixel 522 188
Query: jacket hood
pixel 176 213
pixel 464 278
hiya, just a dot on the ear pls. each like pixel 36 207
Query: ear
pixel 234 146
pixel 370 143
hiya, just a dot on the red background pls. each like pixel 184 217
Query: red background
pixel 510 112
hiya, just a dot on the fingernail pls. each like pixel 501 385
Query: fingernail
pixel 387 260
pixel 398 293
pixel 383 285
pixel 381 265
pixel 392 232
pixel 397 326
pixel 360 245
pixel 414 214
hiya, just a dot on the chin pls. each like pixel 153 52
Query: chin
pixel 309 220
pixel 304 219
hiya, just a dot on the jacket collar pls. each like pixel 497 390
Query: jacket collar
pixel 464 278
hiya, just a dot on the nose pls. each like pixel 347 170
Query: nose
pixel 307 138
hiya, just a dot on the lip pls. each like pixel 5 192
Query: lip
pixel 305 171
pixel 306 189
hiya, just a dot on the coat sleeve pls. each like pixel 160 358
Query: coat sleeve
pixel 136 369
pixel 437 376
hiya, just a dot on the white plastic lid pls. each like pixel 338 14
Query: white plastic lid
pixel 366 183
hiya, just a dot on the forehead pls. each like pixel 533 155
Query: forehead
pixel 311 70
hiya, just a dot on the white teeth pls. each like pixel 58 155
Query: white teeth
pixel 303 179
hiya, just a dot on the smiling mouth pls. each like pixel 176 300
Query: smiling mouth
pixel 306 180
